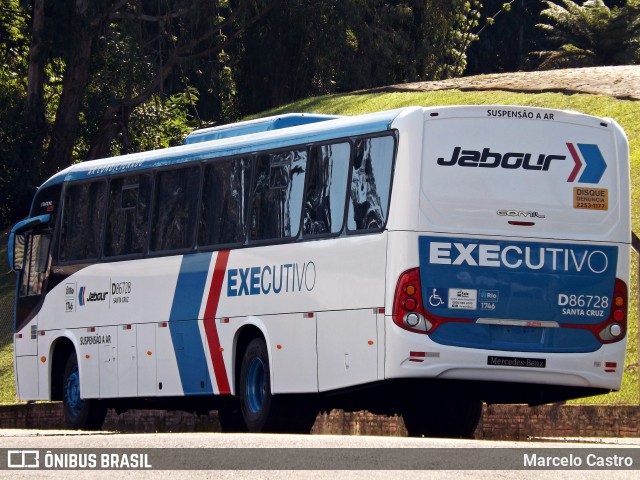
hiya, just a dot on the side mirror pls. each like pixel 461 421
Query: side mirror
pixel 18 237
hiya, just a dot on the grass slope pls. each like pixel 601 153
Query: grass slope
pixel 625 112
pixel 7 292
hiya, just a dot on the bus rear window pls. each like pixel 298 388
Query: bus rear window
pixel 370 183
pixel 327 175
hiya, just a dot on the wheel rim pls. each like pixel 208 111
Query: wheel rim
pixel 256 385
pixel 72 394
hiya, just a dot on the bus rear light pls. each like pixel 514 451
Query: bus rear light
pixel 609 367
pixel 615 330
pixel 412 319
pixel 615 327
pixel 521 224
pixel 417 356
pixel 410 304
pixel 407 304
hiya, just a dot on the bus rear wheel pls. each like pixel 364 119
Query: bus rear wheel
pixel 261 411
pixel 447 417
pixel 79 413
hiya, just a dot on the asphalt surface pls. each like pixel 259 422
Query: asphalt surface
pixel 284 456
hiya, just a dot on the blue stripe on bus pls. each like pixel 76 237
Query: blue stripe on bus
pixel 183 324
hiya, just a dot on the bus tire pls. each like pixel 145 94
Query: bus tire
pixel 262 411
pixel 79 414
pixel 450 417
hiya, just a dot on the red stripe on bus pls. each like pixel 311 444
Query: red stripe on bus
pixel 577 161
pixel 210 322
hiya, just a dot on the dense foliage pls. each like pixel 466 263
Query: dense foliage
pixel 94 78
pixel 591 34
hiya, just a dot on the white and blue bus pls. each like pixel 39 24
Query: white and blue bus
pixel 418 261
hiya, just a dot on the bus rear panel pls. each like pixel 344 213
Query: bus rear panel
pixel 516 269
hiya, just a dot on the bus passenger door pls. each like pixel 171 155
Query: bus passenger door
pixel 347 348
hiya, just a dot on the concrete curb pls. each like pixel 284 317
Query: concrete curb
pixel 499 422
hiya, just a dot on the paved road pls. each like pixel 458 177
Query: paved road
pixel 380 451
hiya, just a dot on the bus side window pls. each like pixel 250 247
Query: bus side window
pixel 225 200
pixel 82 222
pixel 370 183
pixel 20 240
pixel 174 212
pixel 128 218
pixel 277 195
pixel 327 175
pixel 36 265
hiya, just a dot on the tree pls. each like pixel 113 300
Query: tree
pixel 314 47
pixel 77 74
pixel 15 142
pixel 95 78
pixel 507 36
pixel 591 34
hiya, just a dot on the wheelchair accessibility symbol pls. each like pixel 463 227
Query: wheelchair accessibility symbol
pixel 436 298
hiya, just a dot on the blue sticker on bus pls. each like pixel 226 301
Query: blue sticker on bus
pixel 543 281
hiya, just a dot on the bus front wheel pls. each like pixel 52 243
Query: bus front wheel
pixel 79 413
